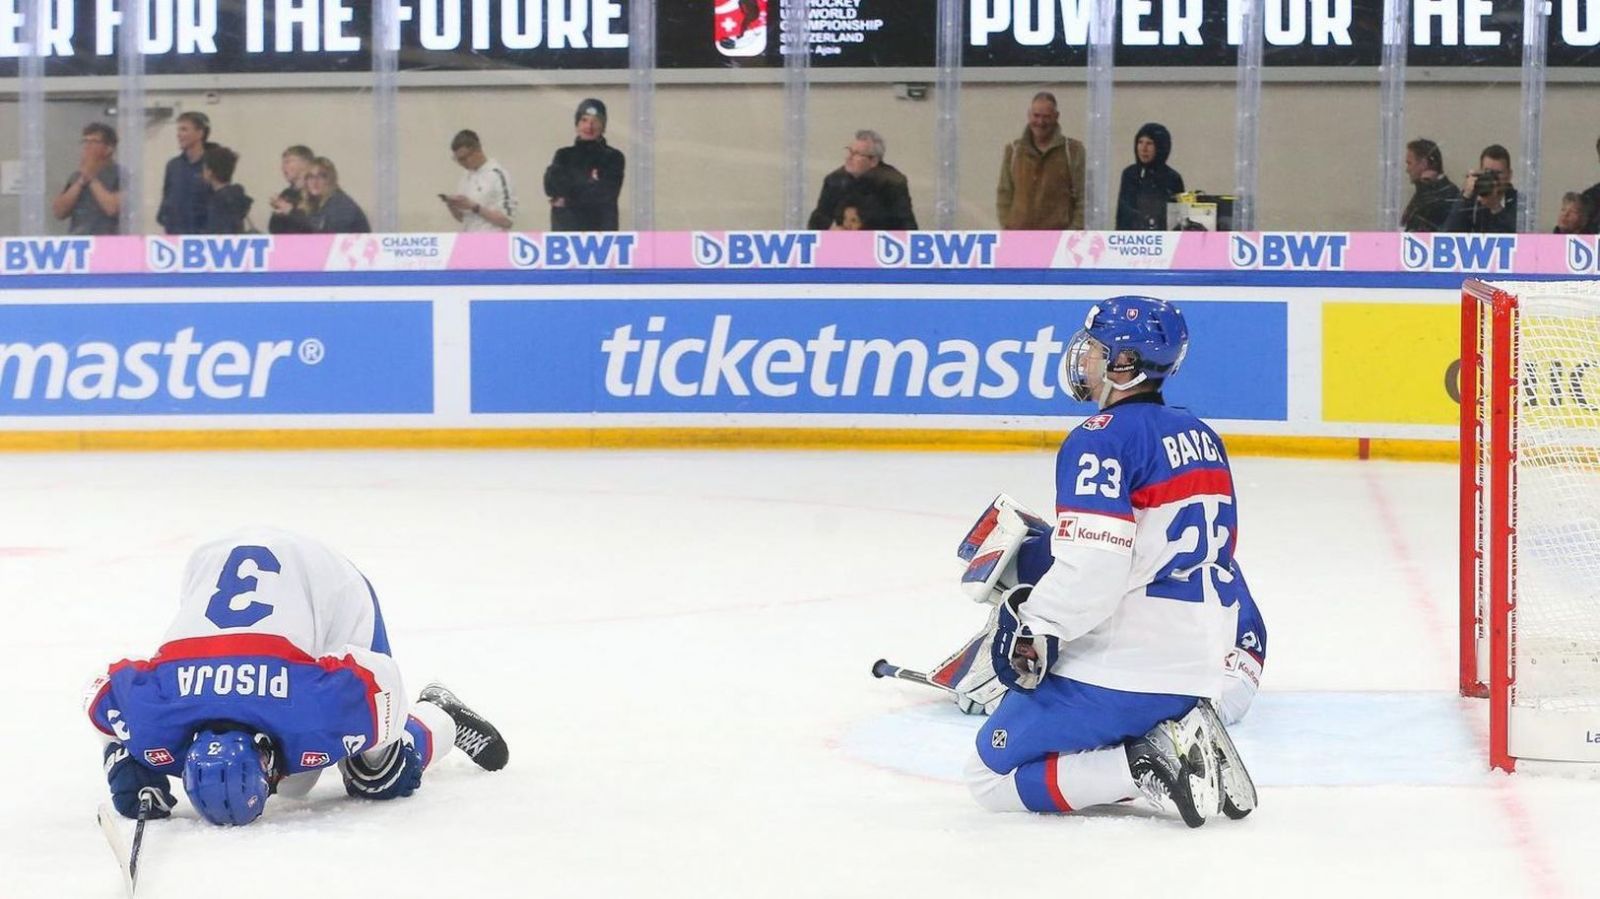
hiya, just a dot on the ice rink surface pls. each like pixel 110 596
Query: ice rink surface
pixel 677 645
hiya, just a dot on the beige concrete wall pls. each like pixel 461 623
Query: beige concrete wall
pixel 721 160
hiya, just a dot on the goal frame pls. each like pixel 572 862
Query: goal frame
pixel 1488 532
pixel 1537 729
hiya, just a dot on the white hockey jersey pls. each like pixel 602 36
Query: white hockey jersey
pixel 1140 591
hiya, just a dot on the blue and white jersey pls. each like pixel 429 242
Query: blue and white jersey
pixel 1141 591
pixel 275 632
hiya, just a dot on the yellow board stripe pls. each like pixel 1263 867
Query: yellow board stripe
pixel 885 439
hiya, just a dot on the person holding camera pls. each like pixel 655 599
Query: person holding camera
pixel 1488 203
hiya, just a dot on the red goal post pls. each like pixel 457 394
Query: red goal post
pixel 1530 516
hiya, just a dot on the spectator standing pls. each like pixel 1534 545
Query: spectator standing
pixel 294 164
pixel 584 180
pixel 1488 202
pixel 1149 184
pixel 327 209
pixel 1576 216
pixel 1041 175
pixel 483 200
pixel 228 206
pixel 183 189
pixel 877 189
pixel 1592 195
pixel 1435 193
pixel 92 198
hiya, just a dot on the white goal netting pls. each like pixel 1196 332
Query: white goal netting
pixel 1555 503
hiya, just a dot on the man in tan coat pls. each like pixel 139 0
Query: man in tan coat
pixel 1041 178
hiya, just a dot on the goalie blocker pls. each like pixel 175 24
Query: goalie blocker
pixel 1009 546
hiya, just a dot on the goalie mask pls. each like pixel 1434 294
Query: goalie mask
pixel 229 774
pixel 1143 335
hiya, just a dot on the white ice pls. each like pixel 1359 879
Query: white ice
pixel 677 647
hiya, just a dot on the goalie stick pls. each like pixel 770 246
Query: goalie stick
pixel 127 859
pixel 882 668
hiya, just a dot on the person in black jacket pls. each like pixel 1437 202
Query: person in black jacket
pixel 327 209
pixel 876 188
pixel 183 188
pixel 585 179
pixel 1149 183
pixel 1436 193
pixel 228 207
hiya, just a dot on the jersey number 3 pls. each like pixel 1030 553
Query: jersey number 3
pixel 231 583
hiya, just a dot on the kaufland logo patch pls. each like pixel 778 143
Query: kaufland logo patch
pixel 1097 531
pixel 158 757
pixel 1096 422
pixel 313 759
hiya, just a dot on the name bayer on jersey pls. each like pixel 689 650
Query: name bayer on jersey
pixel 234 680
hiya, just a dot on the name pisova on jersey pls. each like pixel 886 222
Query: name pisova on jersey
pixel 234 680
pixel 222 369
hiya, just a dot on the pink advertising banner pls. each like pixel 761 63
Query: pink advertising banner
pixel 1487 254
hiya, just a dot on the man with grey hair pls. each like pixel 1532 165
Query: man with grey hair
pixel 875 188
pixel 1041 176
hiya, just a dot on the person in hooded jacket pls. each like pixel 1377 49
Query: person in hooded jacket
pixel 1149 184
pixel 585 179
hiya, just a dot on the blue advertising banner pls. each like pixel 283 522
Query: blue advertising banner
pixel 216 358
pixel 910 356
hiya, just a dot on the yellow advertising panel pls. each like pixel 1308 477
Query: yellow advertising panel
pixel 1390 363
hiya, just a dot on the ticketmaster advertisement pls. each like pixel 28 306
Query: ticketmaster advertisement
pixel 978 357
pixel 206 359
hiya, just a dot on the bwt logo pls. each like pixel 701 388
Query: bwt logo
pixel 572 250
pixel 1581 255
pixel 756 249
pixel 1288 251
pixel 208 254
pixel 942 249
pixel 1458 252
pixel 24 256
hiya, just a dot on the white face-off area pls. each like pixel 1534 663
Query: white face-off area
pixel 676 646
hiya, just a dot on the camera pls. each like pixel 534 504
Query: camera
pixel 1488 181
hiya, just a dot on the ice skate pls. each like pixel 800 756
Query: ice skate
pixel 475 736
pixel 1175 769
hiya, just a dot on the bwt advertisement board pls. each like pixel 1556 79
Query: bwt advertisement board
pixel 910 356
pixel 216 358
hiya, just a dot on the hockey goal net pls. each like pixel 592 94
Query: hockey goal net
pixel 1530 516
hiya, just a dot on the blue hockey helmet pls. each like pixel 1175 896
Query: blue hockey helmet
pixel 228 775
pixel 1139 334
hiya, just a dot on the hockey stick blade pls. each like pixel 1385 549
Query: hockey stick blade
pixel 882 668
pixel 109 826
